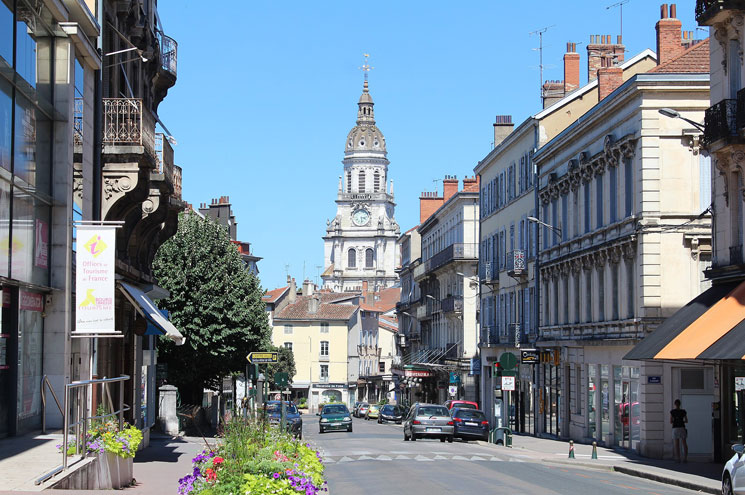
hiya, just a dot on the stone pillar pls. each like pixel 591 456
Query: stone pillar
pixel 167 414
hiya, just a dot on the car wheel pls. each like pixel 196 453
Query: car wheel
pixel 450 439
pixel 321 431
pixel 349 429
pixel 413 437
pixel 406 437
pixel 727 485
pixel 442 439
pixel 380 422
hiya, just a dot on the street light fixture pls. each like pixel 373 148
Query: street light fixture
pixel 555 230
pixel 674 114
pixel 431 297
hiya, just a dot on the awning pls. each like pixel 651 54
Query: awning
pixel 712 326
pixel 146 307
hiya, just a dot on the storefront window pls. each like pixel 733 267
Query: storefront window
pixel 4 225
pixel 32 157
pixel 591 389
pixel 6 33
pixel 30 325
pixel 30 245
pixel 604 402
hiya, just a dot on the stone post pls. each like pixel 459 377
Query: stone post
pixel 167 414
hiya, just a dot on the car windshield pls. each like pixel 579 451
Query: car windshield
pixel 469 414
pixel 340 409
pixel 464 405
pixel 388 410
pixel 375 406
pixel 432 411
pixel 275 407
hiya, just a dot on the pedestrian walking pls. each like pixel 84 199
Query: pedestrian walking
pixel 679 418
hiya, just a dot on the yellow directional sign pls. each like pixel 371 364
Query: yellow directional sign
pixel 263 357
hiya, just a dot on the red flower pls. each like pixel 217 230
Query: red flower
pixel 210 474
pixel 217 461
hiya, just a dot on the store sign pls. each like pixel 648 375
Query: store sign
pixel 95 282
pixel 508 383
pixel 418 373
pixel 529 356
pixel 31 301
pixel 452 390
pixel 329 385
pixel 739 383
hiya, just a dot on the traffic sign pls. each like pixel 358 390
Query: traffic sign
pixel 507 361
pixel 452 389
pixel 263 357
pixel 508 383
pixel 277 396
pixel 281 379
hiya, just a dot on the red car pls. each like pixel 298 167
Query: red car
pixel 462 404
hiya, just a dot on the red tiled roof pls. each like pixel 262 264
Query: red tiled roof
pixel 695 60
pixel 299 311
pixel 272 295
pixel 389 322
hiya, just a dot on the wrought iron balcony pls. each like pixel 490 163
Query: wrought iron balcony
pixel 740 117
pixel 168 53
pixel 453 252
pixel 452 304
pixel 735 255
pixel 177 191
pixel 127 123
pixel 516 266
pixel 720 122
pixel 77 128
pixel 707 10
pixel 489 336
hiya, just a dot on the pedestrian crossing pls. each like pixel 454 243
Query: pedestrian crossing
pixel 430 457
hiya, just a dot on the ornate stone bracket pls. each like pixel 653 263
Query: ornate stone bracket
pixel 118 180
pixel 151 203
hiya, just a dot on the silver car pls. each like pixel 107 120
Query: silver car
pixel 733 477
pixel 428 421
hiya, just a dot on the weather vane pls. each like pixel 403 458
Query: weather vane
pixel 366 66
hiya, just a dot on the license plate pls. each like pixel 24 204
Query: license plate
pixel 434 429
pixel 471 424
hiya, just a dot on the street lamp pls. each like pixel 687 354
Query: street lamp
pixel 431 297
pixel 674 114
pixel 555 230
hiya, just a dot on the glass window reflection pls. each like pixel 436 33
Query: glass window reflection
pixel 6 120
pixel 32 146
pixel 30 250
pixel 4 226
pixel 6 33
pixel 26 45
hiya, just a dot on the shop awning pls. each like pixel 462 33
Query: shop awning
pixel 146 307
pixel 711 326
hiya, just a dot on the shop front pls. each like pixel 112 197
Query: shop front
pixel 510 401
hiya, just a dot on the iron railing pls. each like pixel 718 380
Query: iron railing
pixel 489 336
pixel 516 263
pixel 459 251
pixel 77 123
pixel 126 122
pixel 707 9
pixel 168 53
pixel 720 121
pixel 452 304
pixel 164 157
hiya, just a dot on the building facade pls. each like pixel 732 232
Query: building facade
pixel 360 242
pixel 220 211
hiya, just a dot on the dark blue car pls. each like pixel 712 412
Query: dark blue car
pixel 470 424
pixel 292 416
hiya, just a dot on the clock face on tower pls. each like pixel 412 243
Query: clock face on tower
pixel 360 217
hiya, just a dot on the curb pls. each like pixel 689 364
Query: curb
pixel 666 479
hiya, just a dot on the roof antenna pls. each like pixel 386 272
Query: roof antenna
pixel 540 32
pixel 620 6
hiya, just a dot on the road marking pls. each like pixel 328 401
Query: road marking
pixel 459 458
pixel 583 475
pixel 477 458
pixel 403 457
pixel 422 458
pixel 345 459
pixel 383 458
pixel 440 458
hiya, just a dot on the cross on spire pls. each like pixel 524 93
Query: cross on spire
pixel 366 66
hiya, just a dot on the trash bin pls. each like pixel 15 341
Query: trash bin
pixel 502 436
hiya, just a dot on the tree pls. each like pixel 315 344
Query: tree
pixel 215 302
pixel 286 364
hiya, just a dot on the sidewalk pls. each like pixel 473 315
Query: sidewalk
pixel 25 458
pixel 700 476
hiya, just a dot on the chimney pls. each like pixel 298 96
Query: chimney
pixel 293 290
pixel 571 68
pixel 609 78
pixel 449 187
pixel 502 128
pixel 314 304
pixel 429 202
pixel 307 288
pixel 365 287
pixel 669 35
pixel 471 184
pixel 602 52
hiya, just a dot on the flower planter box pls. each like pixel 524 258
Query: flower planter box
pixel 114 471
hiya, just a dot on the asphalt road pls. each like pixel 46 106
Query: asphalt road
pixel 374 459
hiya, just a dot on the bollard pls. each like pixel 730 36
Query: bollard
pixel 571 449
pixel 594 450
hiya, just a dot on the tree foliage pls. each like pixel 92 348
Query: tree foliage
pixel 286 364
pixel 215 302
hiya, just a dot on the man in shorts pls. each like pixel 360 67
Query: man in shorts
pixel 679 418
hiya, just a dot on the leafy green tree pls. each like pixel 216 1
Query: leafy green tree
pixel 286 364
pixel 215 302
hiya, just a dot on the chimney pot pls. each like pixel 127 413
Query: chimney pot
pixel 609 78
pixel 663 11
pixel 673 11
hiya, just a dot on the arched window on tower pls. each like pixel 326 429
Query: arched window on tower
pixel 361 180
pixel 376 182
pixel 369 258
pixel 351 259
pixel 349 181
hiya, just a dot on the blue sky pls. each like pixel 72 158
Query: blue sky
pixel 267 93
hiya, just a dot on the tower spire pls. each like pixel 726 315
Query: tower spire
pixel 365 113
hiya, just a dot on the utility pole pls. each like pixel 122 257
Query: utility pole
pixel 540 32
pixel 620 6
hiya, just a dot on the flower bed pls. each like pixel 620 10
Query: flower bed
pixel 253 458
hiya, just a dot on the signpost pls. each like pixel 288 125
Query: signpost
pixel 739 383
pixel 452 390
pixel 263 357
pixel 508 383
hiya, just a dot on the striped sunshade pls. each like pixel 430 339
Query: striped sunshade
pixel 712 326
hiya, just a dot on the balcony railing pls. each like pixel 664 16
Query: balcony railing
pixel 489 336
pixel 516 266
pixel 168 53
pixel 126 123
pixel 177 181
pixel 451 253
pixel 720 121
pixel 735 255
pixel 77 127
pixel 707 9
pixel 452 304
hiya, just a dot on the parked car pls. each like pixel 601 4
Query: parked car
pixel 292 416
pixel 391 413
pixel 334 417
pixel 733 476
pixel 373 412
pixel 470 424
pixel 356 407
pixel 362 410
pixel 451 404
pixel 428 421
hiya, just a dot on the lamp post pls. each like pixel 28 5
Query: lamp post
pixel 674 114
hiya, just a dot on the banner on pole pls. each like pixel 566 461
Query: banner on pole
pixel 95 279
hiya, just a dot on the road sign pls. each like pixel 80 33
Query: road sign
pixel 507 361
pixel 739 383
pixel 263 357
pixel 529 356
pixel 281 379
pixel 508 383
pixel 454 377
pixel 452 390
pixel 277 396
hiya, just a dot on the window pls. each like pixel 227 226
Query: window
pixel 630 282
pixel 566 298
pixel 554 221
pixel 381 367
pixel 349 181
pixel 614 290
pixel 368 258
pixel 601 293
pixel 324 372
pixel 288 329
pixel 361 181
pixel 351 258
pixel 324 348
pixel 733 54
pixel 555 320
pixel 629 186
pixel 288 345
pixel 613 177
pixel 577 299
pixel 599 200
pixel 587 207
pixel 564 217
pixel 376 182
pixel 704 185
pixel 588 296
pixel 579 386
pixel 324 328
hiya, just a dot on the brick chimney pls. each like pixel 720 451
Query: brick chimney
pixel 314 304
pixel 601 52
pixel 449 187
pixel 502 128
pixel 571 68
pixel 308 287
pixel 292 296
pixel 609 78
pixel 669 34
pixel 471 184
pixel 429 202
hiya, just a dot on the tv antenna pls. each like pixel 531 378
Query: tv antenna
pixel 540 32
pixel 620 7
pixel 318 271
pixel 287 271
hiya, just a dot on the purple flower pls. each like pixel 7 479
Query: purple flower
pixel 276 476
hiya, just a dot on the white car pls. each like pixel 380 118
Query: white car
pixel 733 476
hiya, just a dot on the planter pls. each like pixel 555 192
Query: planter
pixel 114 471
